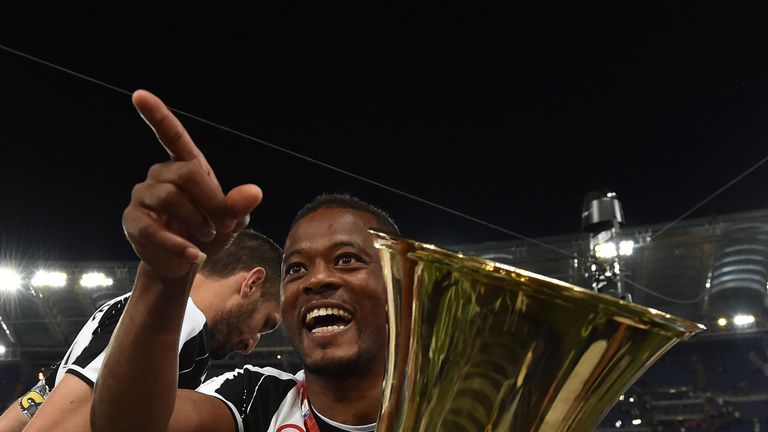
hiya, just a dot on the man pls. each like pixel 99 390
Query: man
pixel 233 299
pixel 334 303
pixel 334 309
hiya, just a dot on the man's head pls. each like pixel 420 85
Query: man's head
pixel 334 297
pixel 244 280
pixel 343 201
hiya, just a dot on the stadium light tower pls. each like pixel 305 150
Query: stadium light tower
pixel 10 280
pixel 602 217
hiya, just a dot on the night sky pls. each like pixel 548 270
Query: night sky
pixel 507 112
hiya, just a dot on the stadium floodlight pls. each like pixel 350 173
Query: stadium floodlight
pixel 605 250
pixel 618 423
pixel 602 217
pixel 10 280
pixel 626 247
pixel 637 422
pixel 743 320
pixel 95 279
pixel 3 349
pixel 45 278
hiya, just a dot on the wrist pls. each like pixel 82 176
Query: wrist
pixel 150 284
pixel 159 301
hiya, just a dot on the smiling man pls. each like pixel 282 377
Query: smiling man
pixel 334 311
pixel 333 307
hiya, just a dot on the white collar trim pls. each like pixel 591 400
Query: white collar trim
pixel 364 428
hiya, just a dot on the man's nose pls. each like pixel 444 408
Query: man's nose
pixel 321 278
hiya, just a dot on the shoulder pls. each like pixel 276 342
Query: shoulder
pixel 194 342
pixel 258 394
pixel 85 355
pixel 194 320
pixel 253 375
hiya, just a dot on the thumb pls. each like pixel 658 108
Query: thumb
pixel 241 201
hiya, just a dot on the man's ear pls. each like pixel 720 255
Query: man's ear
pixel 253 282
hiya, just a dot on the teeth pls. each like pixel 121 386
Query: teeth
pixel 326 330
pixel 327 311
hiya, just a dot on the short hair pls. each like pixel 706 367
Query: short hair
pixel 346 201
pixel 249 249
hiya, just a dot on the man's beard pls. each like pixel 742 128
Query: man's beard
pixel 338 367
pixel 219 350
pixel 228 325
pixel 355 364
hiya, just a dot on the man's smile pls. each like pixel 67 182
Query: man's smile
pixel 326 318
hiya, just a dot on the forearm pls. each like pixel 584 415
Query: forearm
pixel 66 409
pixel 136 388
pixel 12 419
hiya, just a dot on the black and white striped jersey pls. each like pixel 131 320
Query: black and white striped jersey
pixel 86 355
pixel 268 400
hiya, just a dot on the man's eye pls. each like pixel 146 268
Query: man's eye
pixel 293 269
pixel 346 260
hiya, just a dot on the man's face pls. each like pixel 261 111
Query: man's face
pixel 334 297
pixel 239 328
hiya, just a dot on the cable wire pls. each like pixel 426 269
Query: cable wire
pixel 376 183
pixel 403 193
pixel 709 198
pixel 662 296
pixel 296 154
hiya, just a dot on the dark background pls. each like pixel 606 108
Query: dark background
pixel 507 112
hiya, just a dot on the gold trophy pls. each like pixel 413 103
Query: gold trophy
pixel 476 345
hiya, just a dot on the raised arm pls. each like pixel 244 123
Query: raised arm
pixel 176 217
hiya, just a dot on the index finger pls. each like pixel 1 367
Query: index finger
pixel 167 127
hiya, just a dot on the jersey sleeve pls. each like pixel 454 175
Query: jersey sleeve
pixel 86 354
pixel 194 342
pixel 253 395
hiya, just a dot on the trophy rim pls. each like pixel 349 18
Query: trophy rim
pixel 637 314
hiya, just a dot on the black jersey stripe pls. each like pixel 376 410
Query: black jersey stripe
pixel 262 408
pixel 254 394
pixel 99 338
pixel 83 359
pixel 194 360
